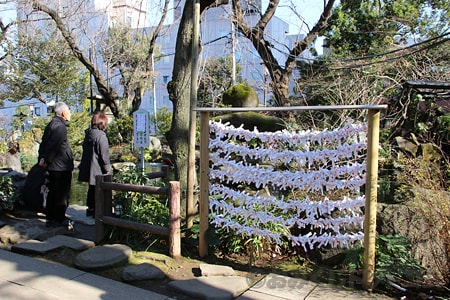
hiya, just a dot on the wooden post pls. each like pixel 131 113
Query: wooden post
pixel 107 205
pixel 174 219
pixel 204 182
pixel 370 217
pixel 99 209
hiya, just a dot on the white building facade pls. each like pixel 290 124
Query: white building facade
pixel 217 41
pixel 89 21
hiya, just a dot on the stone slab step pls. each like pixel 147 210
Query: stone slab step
pixel 53 243
pixel 212 288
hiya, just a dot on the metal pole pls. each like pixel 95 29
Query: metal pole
pixel 370 217
pixel 154 93
pixel 142 160
pixel 233 55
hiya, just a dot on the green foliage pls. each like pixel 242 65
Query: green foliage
pixel 140 207
pixel 192 235
pixel 231 242
pixel 78 124
pixel 163 121
pixel 371 27
pixel 27 162
pixel 240 95
pixel 216 77
pixel 394 258
pixel 3 145
pixel 46 68
pixel 10 196
pixel 254 245
pixel 423 182
pixel 365 29
pixel 4 135
pixel 374 81
pixel 354 258
pixel 129 56
pixel 121 131
pixel 151 154
pixel 114 137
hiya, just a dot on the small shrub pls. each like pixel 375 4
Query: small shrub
pixel 394 258
pixel 10 196
pixel 114 136
pixel 121 131
pixel 163 121
pixel 139 207
pixel 240 95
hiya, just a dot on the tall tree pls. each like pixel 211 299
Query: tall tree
pixel 215 78
pixel 360 70
pixel 130 59
pixel 179 91
pixel 255 31
pixel 69 29
pixel 41 66
pixel 359 28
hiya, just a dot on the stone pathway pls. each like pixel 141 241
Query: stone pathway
pixel 214 283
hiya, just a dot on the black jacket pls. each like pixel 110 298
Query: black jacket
pixel 95 158
pixel 55 148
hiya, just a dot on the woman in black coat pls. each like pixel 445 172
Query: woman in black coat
pixel 95 158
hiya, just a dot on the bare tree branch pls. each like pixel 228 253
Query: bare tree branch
pixel 3 32
pixel 280 74
pixel 133 89
pixel 109 95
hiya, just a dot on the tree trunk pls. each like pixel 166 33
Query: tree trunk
pixel 280 86
pixel 179 93
pixel 255 32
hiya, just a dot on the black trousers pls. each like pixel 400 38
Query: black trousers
pixel 90 200
pixel 58 197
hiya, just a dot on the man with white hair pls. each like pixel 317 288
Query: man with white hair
pixel 55 154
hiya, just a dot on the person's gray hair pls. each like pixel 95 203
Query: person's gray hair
pixel 60 107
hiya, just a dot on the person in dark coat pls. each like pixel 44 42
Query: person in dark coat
pixel 56 156
pixel 95 158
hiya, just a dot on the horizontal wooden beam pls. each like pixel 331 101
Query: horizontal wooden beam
pixel 134 188
pixel 290 108
pixel 135 225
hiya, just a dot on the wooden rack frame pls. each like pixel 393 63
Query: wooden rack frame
pixel 371 175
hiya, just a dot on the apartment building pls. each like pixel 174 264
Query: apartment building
pixel 217 41
pixel 218 37
pixel 88 22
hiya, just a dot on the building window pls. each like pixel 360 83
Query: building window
pixel 166 79
pixel 129 20
pixel 37 111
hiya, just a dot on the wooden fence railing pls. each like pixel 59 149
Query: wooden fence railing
pixel 104 216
